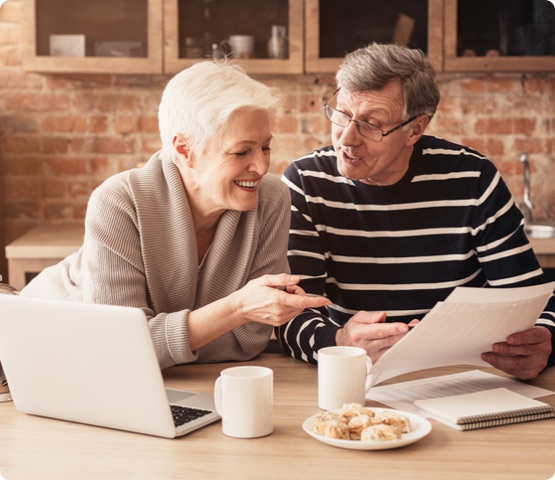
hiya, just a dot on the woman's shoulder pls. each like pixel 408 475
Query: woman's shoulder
pixel 134 183
pixel 273 195
pixel 272 187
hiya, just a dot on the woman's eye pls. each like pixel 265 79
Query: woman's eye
pixel 242 153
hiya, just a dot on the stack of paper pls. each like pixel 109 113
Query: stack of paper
pixel 458 330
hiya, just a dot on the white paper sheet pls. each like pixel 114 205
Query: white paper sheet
pixel 458 330
pixel 402 395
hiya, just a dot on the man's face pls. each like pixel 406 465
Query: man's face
pixel 359 158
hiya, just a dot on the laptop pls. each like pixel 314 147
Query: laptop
pixel 92 364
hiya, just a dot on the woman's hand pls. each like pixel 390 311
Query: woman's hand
pixel 274 299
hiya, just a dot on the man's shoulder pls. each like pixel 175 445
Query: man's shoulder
pixel 322 160
pixel 441 152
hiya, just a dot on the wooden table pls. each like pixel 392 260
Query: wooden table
pixel 40 448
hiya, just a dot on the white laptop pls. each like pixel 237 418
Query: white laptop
pixel 92 364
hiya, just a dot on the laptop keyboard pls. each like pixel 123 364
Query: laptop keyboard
pixel 183 415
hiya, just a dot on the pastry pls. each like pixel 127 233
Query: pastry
pixel 390 418
pixel 380 432
pixel 332 429
pixel 358 424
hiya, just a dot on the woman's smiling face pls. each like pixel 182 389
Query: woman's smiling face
pixel 228 170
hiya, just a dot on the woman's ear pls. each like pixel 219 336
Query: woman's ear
pixel 181 146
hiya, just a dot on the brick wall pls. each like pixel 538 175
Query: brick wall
pixel 61 135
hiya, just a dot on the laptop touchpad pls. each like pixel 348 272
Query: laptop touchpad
pixel 176 396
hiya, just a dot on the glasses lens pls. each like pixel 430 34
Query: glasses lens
pixel 370 131
pixel 337 117
pixel 340 118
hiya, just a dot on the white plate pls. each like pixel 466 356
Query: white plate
pixel 420 428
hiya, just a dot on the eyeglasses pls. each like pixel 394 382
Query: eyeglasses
pixel 366 129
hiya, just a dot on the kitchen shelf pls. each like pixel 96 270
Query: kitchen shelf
pixel 499 36
pixel 103 36
pixel 336 28
pixel 187 19
pixel 149 36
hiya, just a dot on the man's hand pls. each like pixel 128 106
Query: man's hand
pixel 367 330
pixel 523 354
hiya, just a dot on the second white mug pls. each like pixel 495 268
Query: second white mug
pixel 342 376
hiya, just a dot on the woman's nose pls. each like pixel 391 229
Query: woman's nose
pixel 261 163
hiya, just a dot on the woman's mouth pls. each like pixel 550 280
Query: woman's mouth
pixel 249 184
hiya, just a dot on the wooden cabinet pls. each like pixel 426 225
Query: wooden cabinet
pixel 334 28
pixel 101 36
pixel 499 36
pixel 204 24
pixel 148 36
pixel 166 36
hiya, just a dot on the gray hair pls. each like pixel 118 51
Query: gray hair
pixel 198 101
pixel 374 66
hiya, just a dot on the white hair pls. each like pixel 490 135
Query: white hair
pixel 198 101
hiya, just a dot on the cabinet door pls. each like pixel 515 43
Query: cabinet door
pixel 200 29
pixel 334 28
pixel 111 36
pixel 499 35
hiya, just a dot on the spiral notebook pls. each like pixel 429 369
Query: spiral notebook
pixel 488 408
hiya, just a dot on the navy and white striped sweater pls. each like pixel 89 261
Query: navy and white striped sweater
pixel 450 221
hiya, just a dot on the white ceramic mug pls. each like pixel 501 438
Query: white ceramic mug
pixel 342 376
pixel 242 46
pixel 244 399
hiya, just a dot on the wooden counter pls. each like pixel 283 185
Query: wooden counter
pixel 545 251
pixel 48 244
pixel 39 248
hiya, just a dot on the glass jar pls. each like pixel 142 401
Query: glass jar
pixel 277 44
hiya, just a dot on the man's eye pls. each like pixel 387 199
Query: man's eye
pixel 266 148
pixel 370 126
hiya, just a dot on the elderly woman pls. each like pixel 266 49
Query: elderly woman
pixel 197 238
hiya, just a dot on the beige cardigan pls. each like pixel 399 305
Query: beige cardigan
pixel 140 250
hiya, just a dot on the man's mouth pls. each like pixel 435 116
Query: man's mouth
pixel 349 157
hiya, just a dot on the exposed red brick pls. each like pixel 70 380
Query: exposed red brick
pixel 53 188
pixel 36 102
pixel 111 145
pixel 125 124
pixel 64 167
pixel 285 124
pixel 64 123
pixel 29 166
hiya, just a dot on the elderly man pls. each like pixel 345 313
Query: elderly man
pixel 387 221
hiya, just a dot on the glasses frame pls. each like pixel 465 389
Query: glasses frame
pixel 327 108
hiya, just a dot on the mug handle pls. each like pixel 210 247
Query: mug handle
pixel 218 396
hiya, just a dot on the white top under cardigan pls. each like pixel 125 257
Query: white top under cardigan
pixel 140 250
